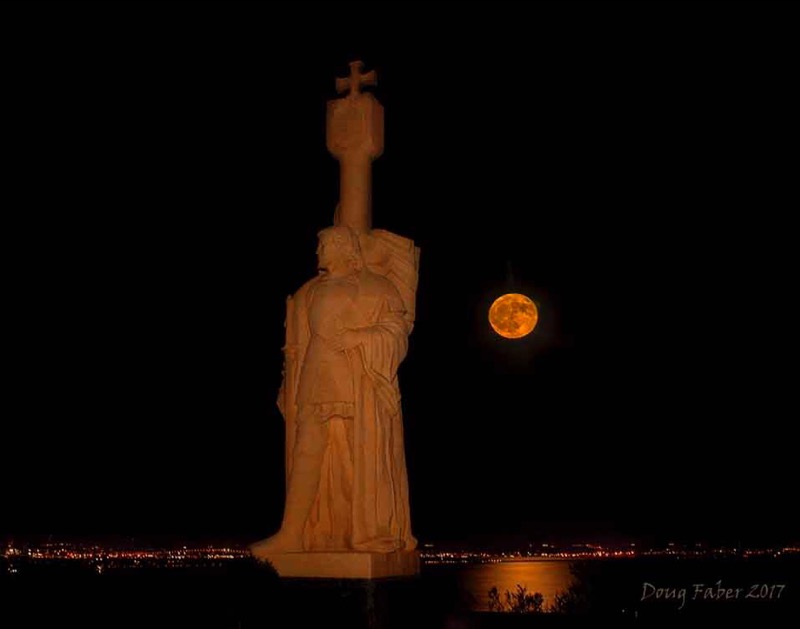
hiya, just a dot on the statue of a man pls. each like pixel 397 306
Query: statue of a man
pixel 347 333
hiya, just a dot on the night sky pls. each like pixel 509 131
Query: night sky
pixel 632 168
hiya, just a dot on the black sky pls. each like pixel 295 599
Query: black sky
pixel 631 167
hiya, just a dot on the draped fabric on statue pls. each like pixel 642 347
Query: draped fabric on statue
pixel 362 501
pixel 397 259
pixel 381 520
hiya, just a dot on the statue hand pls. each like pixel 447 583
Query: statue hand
pixel 348 339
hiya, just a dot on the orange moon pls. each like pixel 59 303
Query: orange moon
pixel 513 315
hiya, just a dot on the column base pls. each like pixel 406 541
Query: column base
pixel 343 565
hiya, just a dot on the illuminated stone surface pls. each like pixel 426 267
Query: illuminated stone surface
pixel 347 509
pixel 346 565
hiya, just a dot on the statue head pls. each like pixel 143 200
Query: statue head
pixel 339 250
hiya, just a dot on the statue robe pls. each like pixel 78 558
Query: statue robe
pixel 362 500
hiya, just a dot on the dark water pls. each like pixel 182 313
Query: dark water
pixel 244 595
pixel 647 591
pixel 546 577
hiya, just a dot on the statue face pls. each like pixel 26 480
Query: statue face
pixel 330 256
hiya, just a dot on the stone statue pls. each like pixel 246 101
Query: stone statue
pixel 346 334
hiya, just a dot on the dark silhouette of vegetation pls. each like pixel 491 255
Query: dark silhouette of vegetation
pixel 519 602
pixel 574 600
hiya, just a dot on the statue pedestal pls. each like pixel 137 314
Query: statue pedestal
pixel 343 565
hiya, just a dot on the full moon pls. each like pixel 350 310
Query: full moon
pixel 513 315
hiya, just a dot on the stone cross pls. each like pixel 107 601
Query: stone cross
pixel 356 79
pixel 355 138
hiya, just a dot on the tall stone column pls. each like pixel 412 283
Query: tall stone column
pixel 355 139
